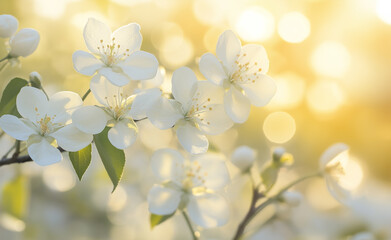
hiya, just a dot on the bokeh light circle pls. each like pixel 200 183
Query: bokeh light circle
pixel 294 27
pixel 279 127
pixel 331 59
pixel 255 24
pixel 325 97
pixel 383 10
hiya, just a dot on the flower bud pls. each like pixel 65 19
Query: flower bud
pixel 281 157
pixel 8 25
pixel 24 42
pixel 35 80
pixel 243 157
pixel 292 198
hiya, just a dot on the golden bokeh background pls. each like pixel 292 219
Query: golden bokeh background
pixel 331 60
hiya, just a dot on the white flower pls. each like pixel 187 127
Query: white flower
pixel 24 43
pixel 196 110
pixel 45 121
pixel 292 198
pixel 189 184
pixel 243 157
pixel 118 111
pixel 8 25
pixel 118 56
pixel 334 165
pixel 241 71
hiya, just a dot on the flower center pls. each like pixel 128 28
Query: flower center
pixel 46 124
pixel 243 67
pixel 111 53
pixel 335 169
pixel 118 107
pixel 194 178
pixel 197 108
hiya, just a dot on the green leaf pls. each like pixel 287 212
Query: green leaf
pixel 158 219
pixel 269 176
pixel 113 158
pixel 81 160
pixel 8 100
pixel 15 197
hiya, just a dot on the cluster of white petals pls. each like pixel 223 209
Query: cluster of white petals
pixel 115 55
pixel 24 42
pixel 190 184
pixel 46 123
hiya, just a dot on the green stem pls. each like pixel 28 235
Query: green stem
pixel 193 233
pixel 5 58
pixel 86 94
pixel 255 210
pixel 4 65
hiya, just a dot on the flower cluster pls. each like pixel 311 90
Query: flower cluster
pixel 126 84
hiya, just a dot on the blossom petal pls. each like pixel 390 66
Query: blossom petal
pixel 117 78
pixel 334 154
pixel 90 119
pixel 71 138
pixel 208 210
pixel 43 153
pixel 260 90
pixel 143 101
pixel 228 48
pixel 165 164
pixel 62 104
pixel 191 139
pixel 123 134
pixel 256 57
pixel 16 128
pixel 237 106
pixel 212 69
pixel 8 25
pixel 32 103
pixel 96 34
pixel 164 113
pixel 24 42
pixel 140 65
pixel 128 38
pixel 184 85
pixel 104 91
pixel 86 63
pixel 163 201
pixel 213 170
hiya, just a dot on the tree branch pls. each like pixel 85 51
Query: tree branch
pixel 19 159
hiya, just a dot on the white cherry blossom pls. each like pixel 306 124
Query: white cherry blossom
pixel 334 165
pixel 243 157
pixel 8 25
pixel 196 110
pixel 45 122
pixel 116 55
pixel 24 43
pixel 241 71
pixel 117 111
pixel 190 184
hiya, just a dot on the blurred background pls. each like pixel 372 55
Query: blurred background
pixel 331 60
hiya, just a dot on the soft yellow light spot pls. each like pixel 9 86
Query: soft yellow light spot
pixel 279 127
pixel 12 223
pixel 255 24
pixel 176 51
pixel 211 37
pixel 331 59
pixel 209 11
pixel 59 177
pixel 51 9
pixel 319 196
pixel 164 30
pixel 325 97
pixel 131 3
pixel 383 9
pixel 294 27
pixel 117 200
pixel 290 91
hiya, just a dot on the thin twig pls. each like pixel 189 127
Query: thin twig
pixel 193 233
pixel 86 94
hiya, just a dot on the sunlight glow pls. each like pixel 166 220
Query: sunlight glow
pixel 290 91
pixel 325 97
pixel 383 9
pixel 255 24
pixel 294 27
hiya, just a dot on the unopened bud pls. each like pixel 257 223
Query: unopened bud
pixel 24 43
pixel 292 198
pixel 281 157
pixel 8 25
pixel 35 80
pixel 243 157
